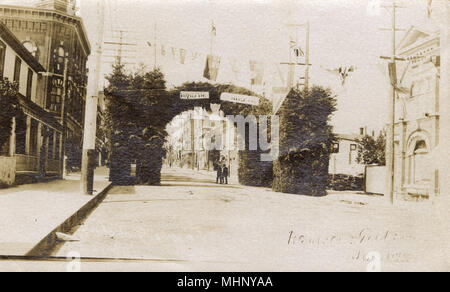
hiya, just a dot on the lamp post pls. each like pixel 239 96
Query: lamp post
pixel 63 114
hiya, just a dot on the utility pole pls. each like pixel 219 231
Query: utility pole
pixel 292 64
pixel 390 143
pixel 308 29
pixel 118 47
pixel 154 44
pixel 443 16
pixel 90 123
pixel 64 119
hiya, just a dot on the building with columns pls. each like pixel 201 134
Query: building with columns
pixel 33 146
pixel 422 114
pixel 53 34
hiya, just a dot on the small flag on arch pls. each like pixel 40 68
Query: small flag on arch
pixel 211 67
pixel 257 70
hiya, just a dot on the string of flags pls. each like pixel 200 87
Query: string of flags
pixel 255 69
pixel 212 63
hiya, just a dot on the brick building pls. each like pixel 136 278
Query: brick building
pixel 52 33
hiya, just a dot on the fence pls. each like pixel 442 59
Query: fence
pixel 7 170
pixel 375 179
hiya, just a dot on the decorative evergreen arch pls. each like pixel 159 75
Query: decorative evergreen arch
pixel 158 109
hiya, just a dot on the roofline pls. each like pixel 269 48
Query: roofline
pixel 13 42
pixel 346 137
pixel 406 34
pixel 434 37
pixel 77 18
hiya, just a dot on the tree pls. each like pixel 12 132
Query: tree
pixel 306 139
pixel 132 124
pixel 371 150
pixel 9 105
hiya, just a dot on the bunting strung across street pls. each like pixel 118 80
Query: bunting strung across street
pixel 211 67
pixel 257 71
pixel 182 56
pixel 342 72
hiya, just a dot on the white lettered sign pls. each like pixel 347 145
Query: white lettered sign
pixel 194 95
pixel 239 98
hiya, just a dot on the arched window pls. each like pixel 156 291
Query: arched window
pixel 59 55
pixel 419 164
pixel 32 48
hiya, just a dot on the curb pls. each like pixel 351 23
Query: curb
pixel 45 246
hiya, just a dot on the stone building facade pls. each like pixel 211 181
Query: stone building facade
pixel 52 34
pixel 417 128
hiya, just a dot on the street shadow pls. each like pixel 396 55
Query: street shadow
pixel 122 190
pixel 212 185
pixel 185 179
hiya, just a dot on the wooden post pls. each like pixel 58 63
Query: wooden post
pixel 63 120
pixel 90 123
pixel 443 155
pixel 307 55
pixel 27 136
pixel 12 139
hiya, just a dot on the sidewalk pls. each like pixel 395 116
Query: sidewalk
pixel 29 213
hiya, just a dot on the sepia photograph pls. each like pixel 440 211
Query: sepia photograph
pixel 224 136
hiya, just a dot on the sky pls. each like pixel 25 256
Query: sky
pixel 343 33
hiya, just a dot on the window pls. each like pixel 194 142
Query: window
pixel 2 58
pixel 30 47
pixel 59 57
pixel 17 66
pixel 335 148
pixel 419 164
pixel 29 83
pixel 353 147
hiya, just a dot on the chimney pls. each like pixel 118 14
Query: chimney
pixel 58 5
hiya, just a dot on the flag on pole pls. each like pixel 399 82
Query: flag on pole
pixel 429 8
pixel 211 67
pixel 257 72
pixel 296 48
pixel 213 29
